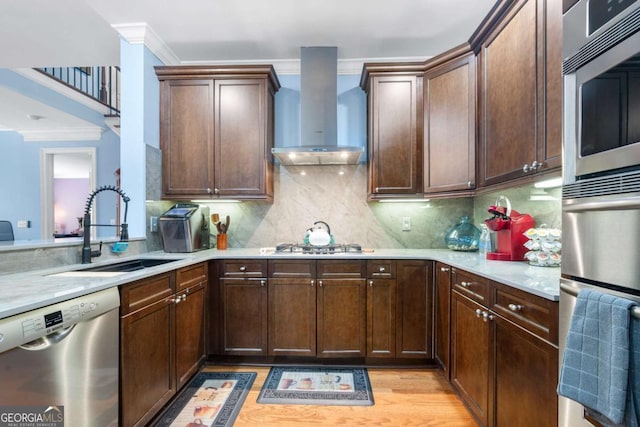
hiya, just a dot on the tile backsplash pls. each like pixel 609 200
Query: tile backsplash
pixel 337 195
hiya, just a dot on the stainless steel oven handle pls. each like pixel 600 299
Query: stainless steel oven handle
pixel 617 204
pixel 635 310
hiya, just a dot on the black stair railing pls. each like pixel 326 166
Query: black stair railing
pixel 99 83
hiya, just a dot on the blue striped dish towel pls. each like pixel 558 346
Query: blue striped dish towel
pixel 595 366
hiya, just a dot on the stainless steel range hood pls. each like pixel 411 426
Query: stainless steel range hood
pixel 319 114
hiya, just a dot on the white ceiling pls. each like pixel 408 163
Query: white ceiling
pixel 36 33
pixel 39 33
pixel 19 112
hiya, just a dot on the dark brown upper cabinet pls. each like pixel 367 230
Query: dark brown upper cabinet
pixel 450 123
pixel 520 91
pixel 394 129
pixel 216 131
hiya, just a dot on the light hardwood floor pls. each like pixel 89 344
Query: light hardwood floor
pixel 403 397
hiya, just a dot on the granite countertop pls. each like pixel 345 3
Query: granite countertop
pixel 26 291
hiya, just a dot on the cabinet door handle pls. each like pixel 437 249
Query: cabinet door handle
pixel 469 184
pixel 486 316
pixel 515 307
pixel 444 269
pixel 536 165
pixel 479 313
pixel 215 190
pixel 243 268
pixel 313 282
pixel 371 283
pixel 262 283
pixel 526 168
pixel 320 283
pixel 377 189
pixel 465 284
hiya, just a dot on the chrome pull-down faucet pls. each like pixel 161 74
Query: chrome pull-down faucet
pixel 87 253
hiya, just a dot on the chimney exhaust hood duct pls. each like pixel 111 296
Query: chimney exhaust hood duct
pixel 319 114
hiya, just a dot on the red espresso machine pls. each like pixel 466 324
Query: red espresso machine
pixel 509 226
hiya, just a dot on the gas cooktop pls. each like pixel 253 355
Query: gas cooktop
pixel 311 249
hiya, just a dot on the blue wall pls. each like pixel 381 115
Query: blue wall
pixel 20 161
pixel 140 126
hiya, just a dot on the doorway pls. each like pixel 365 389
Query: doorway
pixel 68 177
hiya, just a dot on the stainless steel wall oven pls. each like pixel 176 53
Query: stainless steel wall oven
pixel 601 67
pixel 601 162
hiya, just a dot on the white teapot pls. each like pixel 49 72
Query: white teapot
pixel 318 236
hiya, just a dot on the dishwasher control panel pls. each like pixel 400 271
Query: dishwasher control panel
pixel 23 328
pixel 44 324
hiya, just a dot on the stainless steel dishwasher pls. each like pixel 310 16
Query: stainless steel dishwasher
pixel 63 358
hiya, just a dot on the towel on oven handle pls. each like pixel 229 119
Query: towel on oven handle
pixel 595 365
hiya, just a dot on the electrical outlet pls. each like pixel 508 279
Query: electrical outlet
pixel 406 223
pixel 23 223
pixel 153 224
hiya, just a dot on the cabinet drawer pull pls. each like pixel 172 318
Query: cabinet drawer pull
pixel 444 269
pixel 465 284
pixel 486 316
pixel 478 313
pixel 243 268
pixel 515 307
pixel 381 269
pixel 262 283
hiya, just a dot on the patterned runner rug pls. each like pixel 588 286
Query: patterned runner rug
pixel 211 399
pixel 317 386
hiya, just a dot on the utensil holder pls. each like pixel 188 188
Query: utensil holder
pixel 221 242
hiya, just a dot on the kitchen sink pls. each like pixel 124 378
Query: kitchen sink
pixel 115 269
pixel 131 265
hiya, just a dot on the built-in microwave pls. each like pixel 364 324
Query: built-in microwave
pixel 601 68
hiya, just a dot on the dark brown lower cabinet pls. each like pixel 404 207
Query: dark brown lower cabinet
pixel 292 317
pixel 341 309
pixel 442 315
pixel 161 340
pixel 381 318
pixel 147 380
pixel 506 375
pixel 414 308
pixel 470 352
pixel 190 318
pixel 244 316
pixel 526 375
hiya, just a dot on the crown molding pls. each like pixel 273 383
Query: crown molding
pixel 292 66
pixel 142 33
pixel 89 133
